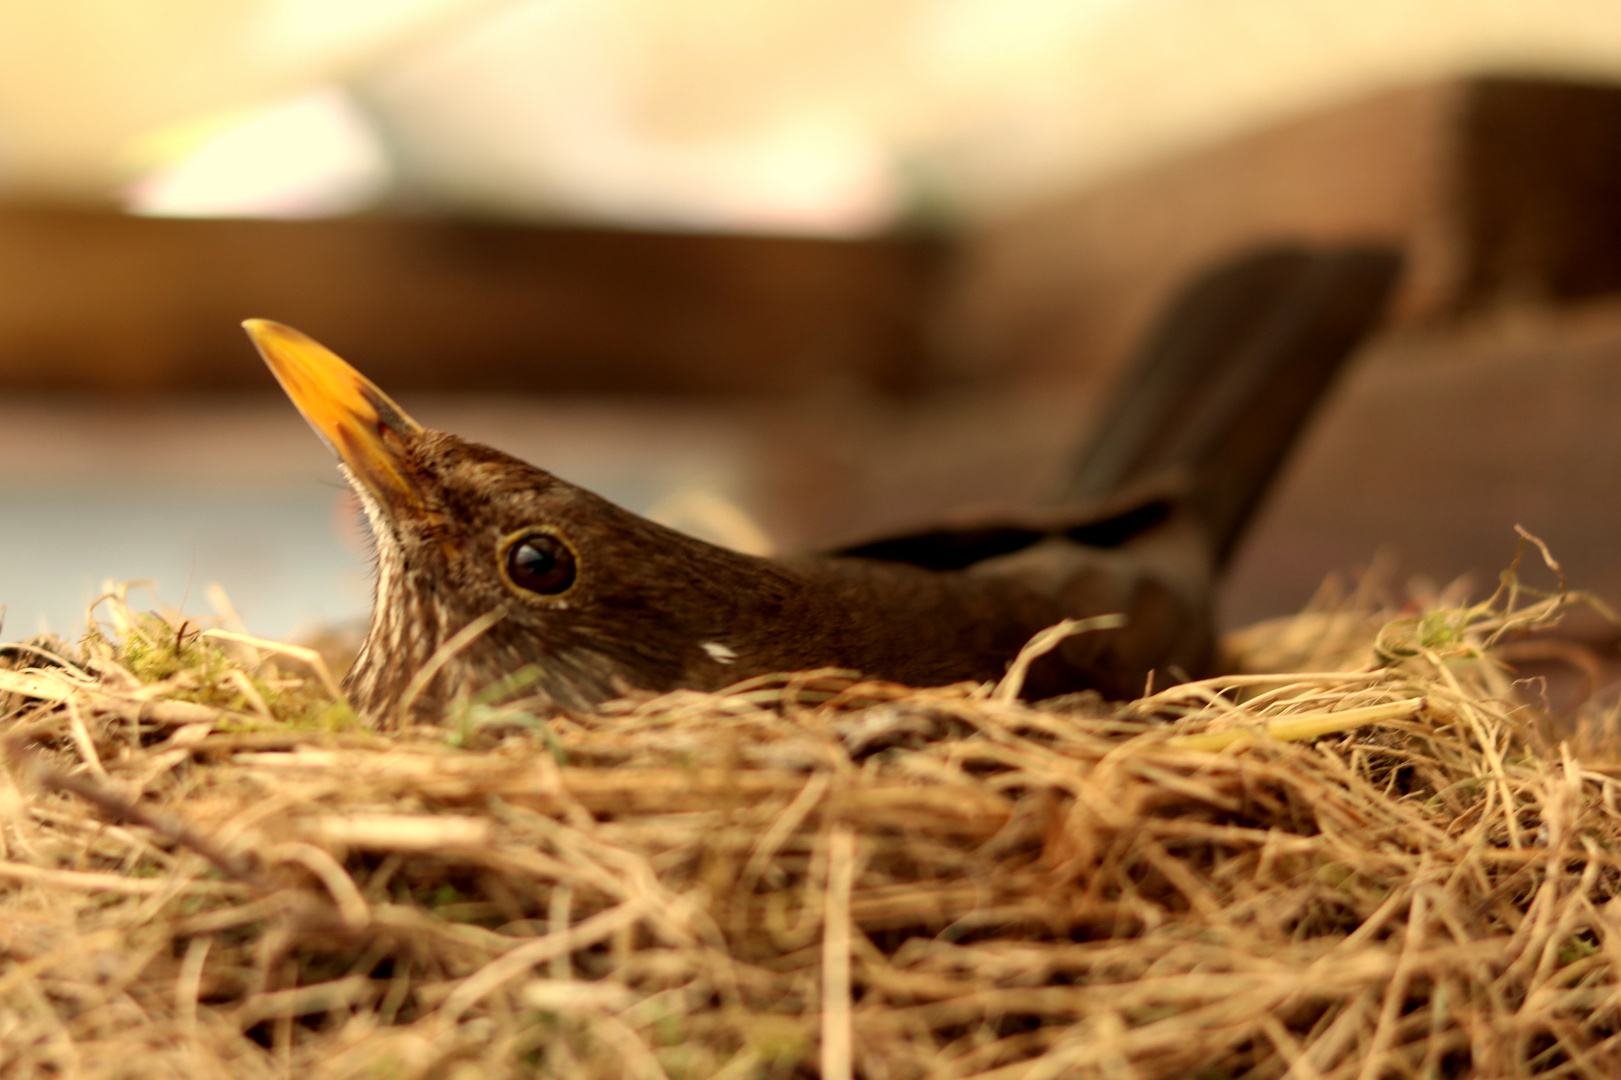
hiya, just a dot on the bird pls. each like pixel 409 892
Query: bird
pixel 493 572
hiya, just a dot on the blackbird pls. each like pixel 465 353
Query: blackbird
pixel 491 569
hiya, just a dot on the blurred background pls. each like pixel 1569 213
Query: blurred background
pixel 783 274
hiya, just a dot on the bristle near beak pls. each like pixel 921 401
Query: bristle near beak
pixel 356 419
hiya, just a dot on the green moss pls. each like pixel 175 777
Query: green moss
pixel 779 1040
pixel 154 651
pixel 670 1030
pixel 308 707
pixel 501 705
pixel 197 670
pixel 1335 875
pixel 1577 948
pixel 1442 632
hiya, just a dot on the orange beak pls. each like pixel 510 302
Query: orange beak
pixel 356 419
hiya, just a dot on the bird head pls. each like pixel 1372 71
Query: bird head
pixel 493 572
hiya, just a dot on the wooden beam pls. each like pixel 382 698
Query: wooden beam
pixel 99 301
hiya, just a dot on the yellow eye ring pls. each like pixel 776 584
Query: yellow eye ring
pixel 539 564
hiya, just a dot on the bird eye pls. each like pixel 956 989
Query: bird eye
pixel 540 563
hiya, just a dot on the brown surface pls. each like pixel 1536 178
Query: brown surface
pixel 105 302
pixel 1496 188
pixel 1437 446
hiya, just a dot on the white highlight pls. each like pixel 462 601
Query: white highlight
pixel 312 156
pixel 721 654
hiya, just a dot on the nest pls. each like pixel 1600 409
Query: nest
pixel 1355 858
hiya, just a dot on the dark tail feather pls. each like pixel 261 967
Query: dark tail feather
pixel 1230 376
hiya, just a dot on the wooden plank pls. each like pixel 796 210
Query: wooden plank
pixel 99 301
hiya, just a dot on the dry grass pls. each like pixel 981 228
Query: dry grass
pixel 1369 866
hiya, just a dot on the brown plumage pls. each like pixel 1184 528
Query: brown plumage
pixel 489 568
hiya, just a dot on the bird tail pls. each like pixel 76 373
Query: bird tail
pixel 1230 375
